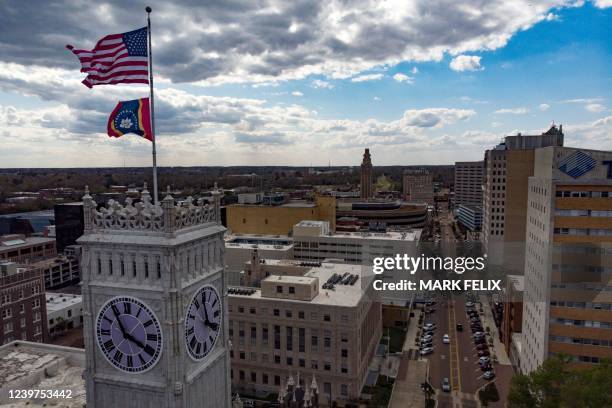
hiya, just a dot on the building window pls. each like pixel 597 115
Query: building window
pixel 279 289
pixel 301 340
pixel 8 327
pixel 253 376
pixel 290 361
pixel 276 312
pixel 264 378
pixel 300 314
pixel 302 362
pixel 277 337
pixel 276 380
pixel 6 313
pixel 327 366
pixel 291 289
pixel 327 318
pixel 277 359
pixel 241 374
pixel 344 353
pixel 314 364
pixel 288 314
pixel 344 390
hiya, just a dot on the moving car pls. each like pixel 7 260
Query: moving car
pixel 446 385
pixel 459 327
pixel 488 375
pixel 446 339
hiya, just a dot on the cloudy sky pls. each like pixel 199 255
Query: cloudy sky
pixel 300 82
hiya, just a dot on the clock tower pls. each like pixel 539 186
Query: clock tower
pixel 154 304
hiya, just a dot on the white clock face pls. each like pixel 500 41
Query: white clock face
pixel 203 322
pixel 129 334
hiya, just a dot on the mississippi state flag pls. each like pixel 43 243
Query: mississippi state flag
pixel 116 59
pixel 131 117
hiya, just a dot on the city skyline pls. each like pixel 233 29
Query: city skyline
pixel 310 83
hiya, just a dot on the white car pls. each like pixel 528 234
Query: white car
pixel 426 338
pixel 484 360
pixel 488 375
pixel 446 385
pixel 478 334
pixel 429 326
pixel 446 339
pixel 427 350
pixel 469 304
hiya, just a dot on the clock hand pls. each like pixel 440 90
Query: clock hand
pixel 212 325
pixel 134 340
pixel 116 313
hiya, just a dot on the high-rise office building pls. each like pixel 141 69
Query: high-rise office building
pixel 154 304
pixel 418 186
pixel 567 304
pixel 366 181
pixel 507 168
pixel 468 193
pixel 68 224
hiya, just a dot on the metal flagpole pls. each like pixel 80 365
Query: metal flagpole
pixel 152 106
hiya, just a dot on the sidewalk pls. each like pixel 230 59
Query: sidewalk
pixel 413 328
pixel 488 321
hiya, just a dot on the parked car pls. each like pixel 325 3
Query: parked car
pixel 484 360
pixel 480 340
pixel 486 367
pixel 478 334
pixel 459 327
pixel 426 337
pixel 483 352
pixel 446 385
pixel 426 351
pixel 488 375
pixel 482 346
pixel 431 326
pixel 446 339
pixel 469 304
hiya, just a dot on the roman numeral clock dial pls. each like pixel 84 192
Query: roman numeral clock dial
pixel 129 334
pixel 202 322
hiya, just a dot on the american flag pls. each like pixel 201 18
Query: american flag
pixel 116 59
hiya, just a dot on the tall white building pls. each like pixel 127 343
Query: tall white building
pixel 154 304
pixel 567 305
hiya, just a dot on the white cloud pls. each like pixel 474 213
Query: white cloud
pixel 595 107
pixel 414 70
pixel 376 98
pixel 466 63
pixel 513 111
pixel 583 100
pixel 271 41
pixel 544 107
pixel 399 77
pixel 367 77
pixel 603 3
pixel 297 93
pixel 318 83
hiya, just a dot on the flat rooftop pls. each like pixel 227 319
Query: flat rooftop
pixel 28 365
pixel 59 301
pixel 19 242
pixel 340 295
pixel 251 241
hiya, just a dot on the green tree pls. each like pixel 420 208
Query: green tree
pixel 555 385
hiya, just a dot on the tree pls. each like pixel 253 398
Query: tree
pixel 488 394
pixel 554 384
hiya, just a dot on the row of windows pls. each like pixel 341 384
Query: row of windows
pixel 8 312
pixel 582 359
pixel 288 313
pixel 584 231
pixel 6 297
pixel 578 249
pixel 582 305
pixel 267 380
pixel 578 340
pixel 583 213
pixel 584 194
pixel 582 323
pixel 289 361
